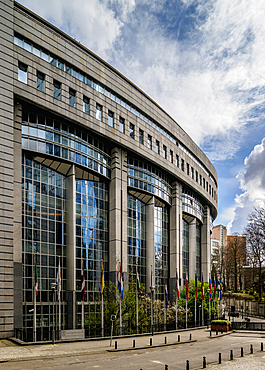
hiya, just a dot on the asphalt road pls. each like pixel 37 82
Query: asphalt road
pixel 175 356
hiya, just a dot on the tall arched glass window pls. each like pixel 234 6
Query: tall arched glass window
pixel 161 249
pixel 136 230
pixel 185 248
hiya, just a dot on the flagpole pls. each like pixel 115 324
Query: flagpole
pixel 202 300
pixel 120 300
pixel 165 312
pixel 59 296
pixel 136 298
pixel 186 300
pixel 195 298
pixel 177 297
pixel 102 300
pixel 34 304
pixel 152 303
pixel 210 293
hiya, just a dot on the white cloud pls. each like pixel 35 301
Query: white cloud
pixel 205 67
pixel 91 22
pixel 252 182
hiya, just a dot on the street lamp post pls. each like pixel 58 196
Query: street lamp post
pixel 152 288
pixel 229 303
pixel 53 287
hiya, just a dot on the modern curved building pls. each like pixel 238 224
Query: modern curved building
pixel 91 168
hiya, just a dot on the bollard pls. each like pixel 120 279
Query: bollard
pixel 151 343
pixel 190 336
pixel 204 362
pixel 216 331
pixel 116 344
pixel 166 367
pixel 210 333
pixel 178 338
pixel 242 352
pixel 165 340
pixel 251 348
pixel 261 347
pixel 231 354
pixel 220 357
pixel 222 331
pixel 134 343
pixel 187 365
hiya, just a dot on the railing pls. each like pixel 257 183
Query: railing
pixel 245 325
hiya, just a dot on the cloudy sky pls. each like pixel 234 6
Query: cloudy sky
pixel 203 62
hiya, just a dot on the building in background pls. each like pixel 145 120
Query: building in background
pixel 91 169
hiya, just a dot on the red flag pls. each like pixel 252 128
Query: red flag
pixel 177 285
pixel 187 286
pixel 83 284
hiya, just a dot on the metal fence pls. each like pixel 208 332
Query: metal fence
pixel 244 325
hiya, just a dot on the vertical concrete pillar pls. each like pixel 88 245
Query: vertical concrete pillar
pixel 175 235
pixel 118 215
pixel 206 244
pixel 150 242
pixel 70 244
pixel 7 161
pixel 192 248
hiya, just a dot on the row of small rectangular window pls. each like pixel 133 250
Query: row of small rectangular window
pixel 20 41
pixel 64 66
pixel 22 76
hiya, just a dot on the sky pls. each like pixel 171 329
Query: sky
pixel 202 61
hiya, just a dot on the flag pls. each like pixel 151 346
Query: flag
pixel 102 281
pixel 202 288
pixel 211 288
pixel 166 294
pixel 187 286
pixel 35 287
pixel 138 280
pixel 58 280
pixel 120 284
pixel 177 285
pixel 83 283
pixel 221 290
pixel 214 289
pixel 196 287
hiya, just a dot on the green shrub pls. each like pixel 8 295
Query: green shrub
pixel 222 322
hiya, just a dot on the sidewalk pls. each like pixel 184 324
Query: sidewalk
pixel 12 352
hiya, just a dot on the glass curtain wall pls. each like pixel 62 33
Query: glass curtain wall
pixel 92 205
pixel 43 234
pixel 185 249
pixel 198 250
pixel 161 250
pixel 137 238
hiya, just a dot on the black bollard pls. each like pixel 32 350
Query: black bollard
pixel 134 343
pixel 166 367
pixel 190 336
pixel 222 331
pixel 151 343
pixel 261 347
pixel 165 340
pixel 204 362
pixel 116 344
pixel 216 331
pixel 220 357
pixel 187 365
pixel 251 348
pixel 242 352
pixel 210 333
pixel 231 354
pixel 178 338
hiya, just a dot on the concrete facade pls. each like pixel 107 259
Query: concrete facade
pixel 87 139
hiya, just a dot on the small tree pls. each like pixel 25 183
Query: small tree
pixel 255 233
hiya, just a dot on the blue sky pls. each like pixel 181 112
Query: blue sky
pixel 203 62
